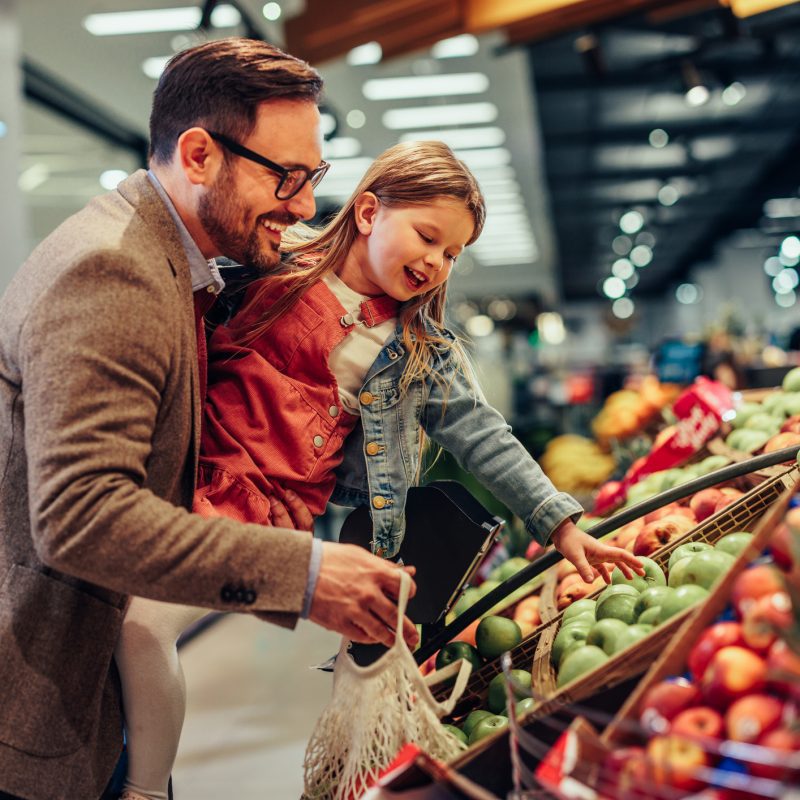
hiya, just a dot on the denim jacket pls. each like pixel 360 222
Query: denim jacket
pixel 381 458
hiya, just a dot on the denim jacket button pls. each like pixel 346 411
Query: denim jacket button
pixel 392 355
pixel 378 502
pixel 373 448
pixel 334 411
pixel 366 398
pixel 318 441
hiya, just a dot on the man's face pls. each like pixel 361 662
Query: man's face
pixel 240 212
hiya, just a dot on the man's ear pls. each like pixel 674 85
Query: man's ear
pixel 200 157
pixel 365 210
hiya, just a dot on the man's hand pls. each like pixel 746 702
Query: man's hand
pixel 356 595
pixel 590 556
pixel 290 511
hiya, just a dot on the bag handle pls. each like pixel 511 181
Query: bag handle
pixel 402 602
pixel 463 669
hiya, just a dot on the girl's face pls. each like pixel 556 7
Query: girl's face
pixel 406 250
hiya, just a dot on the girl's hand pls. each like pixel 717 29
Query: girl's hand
pixel 592 557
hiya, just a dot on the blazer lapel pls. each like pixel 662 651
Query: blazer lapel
pixel 141 194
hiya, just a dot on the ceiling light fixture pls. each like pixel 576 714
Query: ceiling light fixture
pixel 456 47
pixel 641 255
pixel 668 195
pixel 697 93
pixel 786 299
pixel 488 157
pixel 271 11
pixel 658 138
pixel 688 293
pixel 111 178
pixel 356 118
pixel 154 66
pixel 3 129
pixel 341 147
pixel 622 268
pixel 791 247
pixel 631 222
pixel 734 94
pixel 614 287
pixel 425 86
pixel 460 137
pixel 623 308
pixel 436 116
pixel 117 23
pixel 369 53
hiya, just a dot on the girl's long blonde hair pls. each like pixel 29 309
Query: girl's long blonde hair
pixel 411 173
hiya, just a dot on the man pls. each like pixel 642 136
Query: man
pixel 100 408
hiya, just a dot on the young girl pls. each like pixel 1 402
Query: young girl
pixel 327 382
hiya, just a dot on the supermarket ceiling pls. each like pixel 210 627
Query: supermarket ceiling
pixel 612 138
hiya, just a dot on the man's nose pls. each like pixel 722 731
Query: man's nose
pixel 303 205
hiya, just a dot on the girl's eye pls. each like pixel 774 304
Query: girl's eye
pixel 451 258
pixel 424 238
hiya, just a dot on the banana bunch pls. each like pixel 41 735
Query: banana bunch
pixel 576 464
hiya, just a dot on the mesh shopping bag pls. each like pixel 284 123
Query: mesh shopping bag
pixel 373 712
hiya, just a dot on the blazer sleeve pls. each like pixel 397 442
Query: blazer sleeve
pixel 96 354
pixel 457 417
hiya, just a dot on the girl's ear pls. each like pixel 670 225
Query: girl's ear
pixel 365 210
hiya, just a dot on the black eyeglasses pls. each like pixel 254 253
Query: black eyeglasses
pixel 291 181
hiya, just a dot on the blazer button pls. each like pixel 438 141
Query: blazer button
pixel 366 398
pixel 250 597
pixel 240 595
pixel 318 441
pixel 378 502
pixel 226 595
pixel 334 411
pixel 373 448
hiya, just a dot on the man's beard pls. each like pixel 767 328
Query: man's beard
pixel 224 220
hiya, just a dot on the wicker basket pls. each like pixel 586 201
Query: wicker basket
pixel 534 652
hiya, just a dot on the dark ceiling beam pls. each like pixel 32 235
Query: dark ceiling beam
pixel 53 93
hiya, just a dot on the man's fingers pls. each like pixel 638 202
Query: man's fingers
pixel 604 571
pixel 303 519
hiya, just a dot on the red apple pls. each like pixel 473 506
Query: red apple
pixel 656 534
pixel 791 425
pixel 780 762
pixel 783 670
pixel 750 717
pixel 704 502
pixel 676 761
pixel 664 701
pixel 698 723
pixel 564 568
pixel 780 547
pixel 723 634
pixel 624 774
pixel 729 496
pixel 733 672
pixel 753 583
pixel 781 440
pixel 765 618
pixel 671 509
pixel 573 588
pixel 626 535
pixel 534 550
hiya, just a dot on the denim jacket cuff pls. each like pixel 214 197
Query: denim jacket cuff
pixel 550 513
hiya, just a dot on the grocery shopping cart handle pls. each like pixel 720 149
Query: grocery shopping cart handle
pixel 537 567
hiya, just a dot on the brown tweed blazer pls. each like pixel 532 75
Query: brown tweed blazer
pixel 99 432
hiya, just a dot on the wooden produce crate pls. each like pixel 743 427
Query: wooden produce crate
pixel 673 659
pixel 534 652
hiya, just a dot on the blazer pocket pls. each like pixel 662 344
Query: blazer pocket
pixel 57 643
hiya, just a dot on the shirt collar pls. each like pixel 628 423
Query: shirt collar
pixel 204 273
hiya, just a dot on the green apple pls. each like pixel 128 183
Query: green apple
pixel 653 596
pixel 683 597
pixel 565 637
pixel 523 706
pixel 772 403
pixel 791 380
pixel 579 662
pixel 702 569
pixel 487 726
pixel 504 571
pixel 457 732
pixel 575 644
pixel 497 689
pixel 637 581
pixel 686 550
pixel 653 573
pixel 711 464
pixel 733 543
pixel 605 634
pixel 791 404
pixel 586 618
pixel 619 605
pixel 609 591
pixel 631 635
pixel 473 718
pixel 470 596
pixel 578 607
pixel 744 412
pixel 650 616
pixel 768 423
pixel 486 587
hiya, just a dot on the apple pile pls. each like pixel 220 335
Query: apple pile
pixel 772 424
pixel 742 685
pixel 593 630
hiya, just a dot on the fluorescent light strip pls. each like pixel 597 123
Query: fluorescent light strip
pixel 436 116
pixel 153 67
pixel 346 167
pixel 461 137
pixel 456 47
pixel 333 188
pixel 341 147
pixel 425 86
pixel 490 157
pixel 117 23
pixel 369 53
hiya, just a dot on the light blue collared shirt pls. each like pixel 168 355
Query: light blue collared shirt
pixel 205 276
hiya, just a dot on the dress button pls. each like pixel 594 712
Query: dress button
pixel 366 398
pixel 334 411
pixel 373 448
pixel 211 289
pixel 392 355
pixel 378 502
pixel 318 441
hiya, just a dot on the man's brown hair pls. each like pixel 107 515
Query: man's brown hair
pixel 219 86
